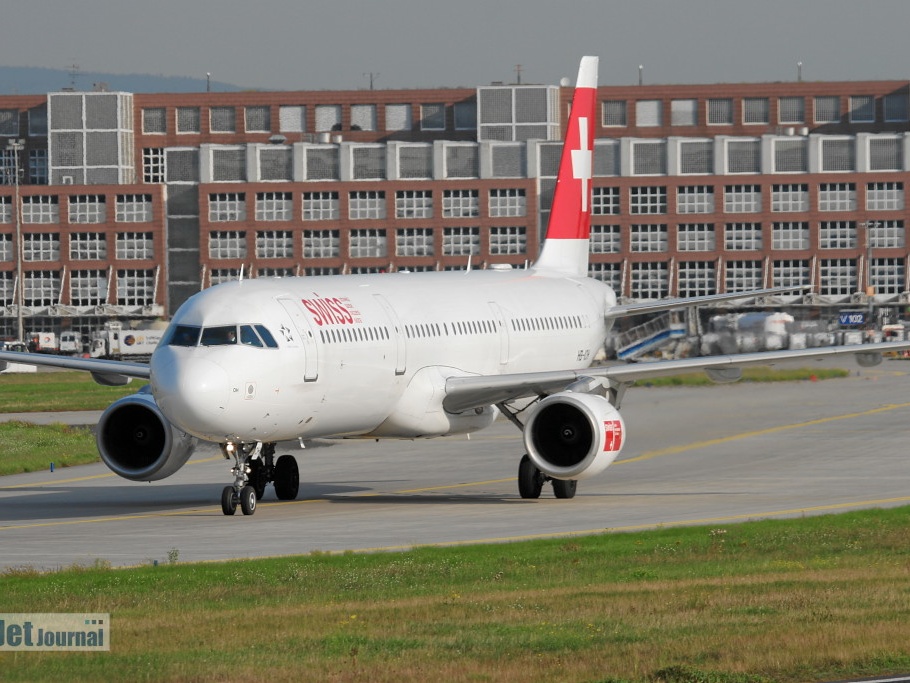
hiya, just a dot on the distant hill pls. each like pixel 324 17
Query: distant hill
pixel 24 80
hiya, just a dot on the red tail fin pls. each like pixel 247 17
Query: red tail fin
pixel 566 246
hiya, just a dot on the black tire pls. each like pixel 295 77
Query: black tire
pixel 565 488
pixel 228 500
pixel 530 479
pixel 258 477
pixel 287 478
pixel 248 500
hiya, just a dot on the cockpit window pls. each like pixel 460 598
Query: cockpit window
pixel 267 336
pixel 219 336
pixel 184 335
pixel 249 337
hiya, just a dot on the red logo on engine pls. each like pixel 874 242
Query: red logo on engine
pixel 612 435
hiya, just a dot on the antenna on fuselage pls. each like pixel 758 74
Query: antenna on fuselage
pixel 240 279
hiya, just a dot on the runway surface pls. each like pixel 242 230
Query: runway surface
pixel 714 455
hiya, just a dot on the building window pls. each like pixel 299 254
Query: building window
pixel 837 277
pixel 135 246
pixel 508 202
pixel 885 196
pixel 88 246
pixel 37 166
pixel 605 239
pixel 887 275
pixel 508 240
pixel 605 201
pixel 837 235
pixel 786 198
pixel 321 244
pixel 133 208
pixel 258 119
pixel 896 107
pixel 323 270
pixel 154 120
pixel 743 237
pixel 41 246
pixel 697 278
pixel 695 237
pixel 695 199
pixel 862 109
pixel 756 110
pixel 88 287
pixel 887 234
pixel 837 197
pixel 40 209
pixel 886 153
pixel 608 273
pixel 223 120
pixel 274 244
pixel 649 157
pixel 827 109
pixel 650 280
pixel 363 117
pixel 414 204
pixel 648 239
pixel 322 163
pixel 648 200
pixel 743 156
pixel 321 206
pixel 460 203
pixel 153 168
pixel 9 122
pixel 792 110
pixel 838 154
pixel 433 116
pixel 614 113
pixel 6 247
pixel 791 155
pixel 87 208
pixel 366 204
pixel 292 118
pixel 720 112
pixel 398 117
pixel 696 157
pixel 743 276
pixel 189 120
pixel 793 235
pixel 368 244
pixel 135 287
pixel 42 288
pixel 461 241
pixel 648 113
pixel 227 207
pixel 275 272
pixel 328 117
pixel 742 199
pixel 227 244
pixel 790 273
pixel 6 210
pixel 414 242
pixel 221 275
pixel 274 206
pixel 684 112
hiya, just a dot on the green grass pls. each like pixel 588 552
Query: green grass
pixel 821 598
pixel 57 391
pixel 25 447
pixel 752 374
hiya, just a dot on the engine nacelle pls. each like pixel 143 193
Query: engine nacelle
pixel 138 443
pixel 573 436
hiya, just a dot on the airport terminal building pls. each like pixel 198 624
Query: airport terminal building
pixel 122 205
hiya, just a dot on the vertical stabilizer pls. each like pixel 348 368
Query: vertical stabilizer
pixel 565 248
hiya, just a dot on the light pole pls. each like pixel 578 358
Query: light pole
pixel 16 147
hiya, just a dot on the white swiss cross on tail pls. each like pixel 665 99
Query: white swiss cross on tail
pixel 565 250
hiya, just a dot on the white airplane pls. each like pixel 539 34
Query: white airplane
pixel 409 355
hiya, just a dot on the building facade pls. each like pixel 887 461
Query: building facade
pixel 124 205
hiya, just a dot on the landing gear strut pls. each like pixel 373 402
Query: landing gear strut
pixel 254 467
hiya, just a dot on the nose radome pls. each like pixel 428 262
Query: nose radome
pixel 191 392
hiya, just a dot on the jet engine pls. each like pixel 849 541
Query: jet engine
pixel 138 443
pixel 573 435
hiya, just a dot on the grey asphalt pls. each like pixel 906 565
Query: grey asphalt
pixel 694 456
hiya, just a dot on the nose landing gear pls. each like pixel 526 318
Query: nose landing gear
pixel 254 468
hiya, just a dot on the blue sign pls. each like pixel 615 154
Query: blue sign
pixel 851 318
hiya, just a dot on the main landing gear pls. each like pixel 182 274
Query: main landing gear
pixel 254 467
pixel 531 481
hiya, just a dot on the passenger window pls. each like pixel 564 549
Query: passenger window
pixel 249 337
pixel 219 336
pixel 267 336
pixel 184 335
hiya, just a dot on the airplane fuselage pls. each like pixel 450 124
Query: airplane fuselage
pixel 365 355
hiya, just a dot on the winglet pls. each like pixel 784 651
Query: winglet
pixel 565 248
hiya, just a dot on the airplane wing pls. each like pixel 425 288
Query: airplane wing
pixel 465 393
pixel 657 305
pixel 107 372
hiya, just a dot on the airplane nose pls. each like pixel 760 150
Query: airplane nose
pixel 191 392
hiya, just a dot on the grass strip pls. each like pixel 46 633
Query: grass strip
pixel 57 391
pixel 25 447
pixel 820 598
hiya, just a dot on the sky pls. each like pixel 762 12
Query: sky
pixel 337 44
